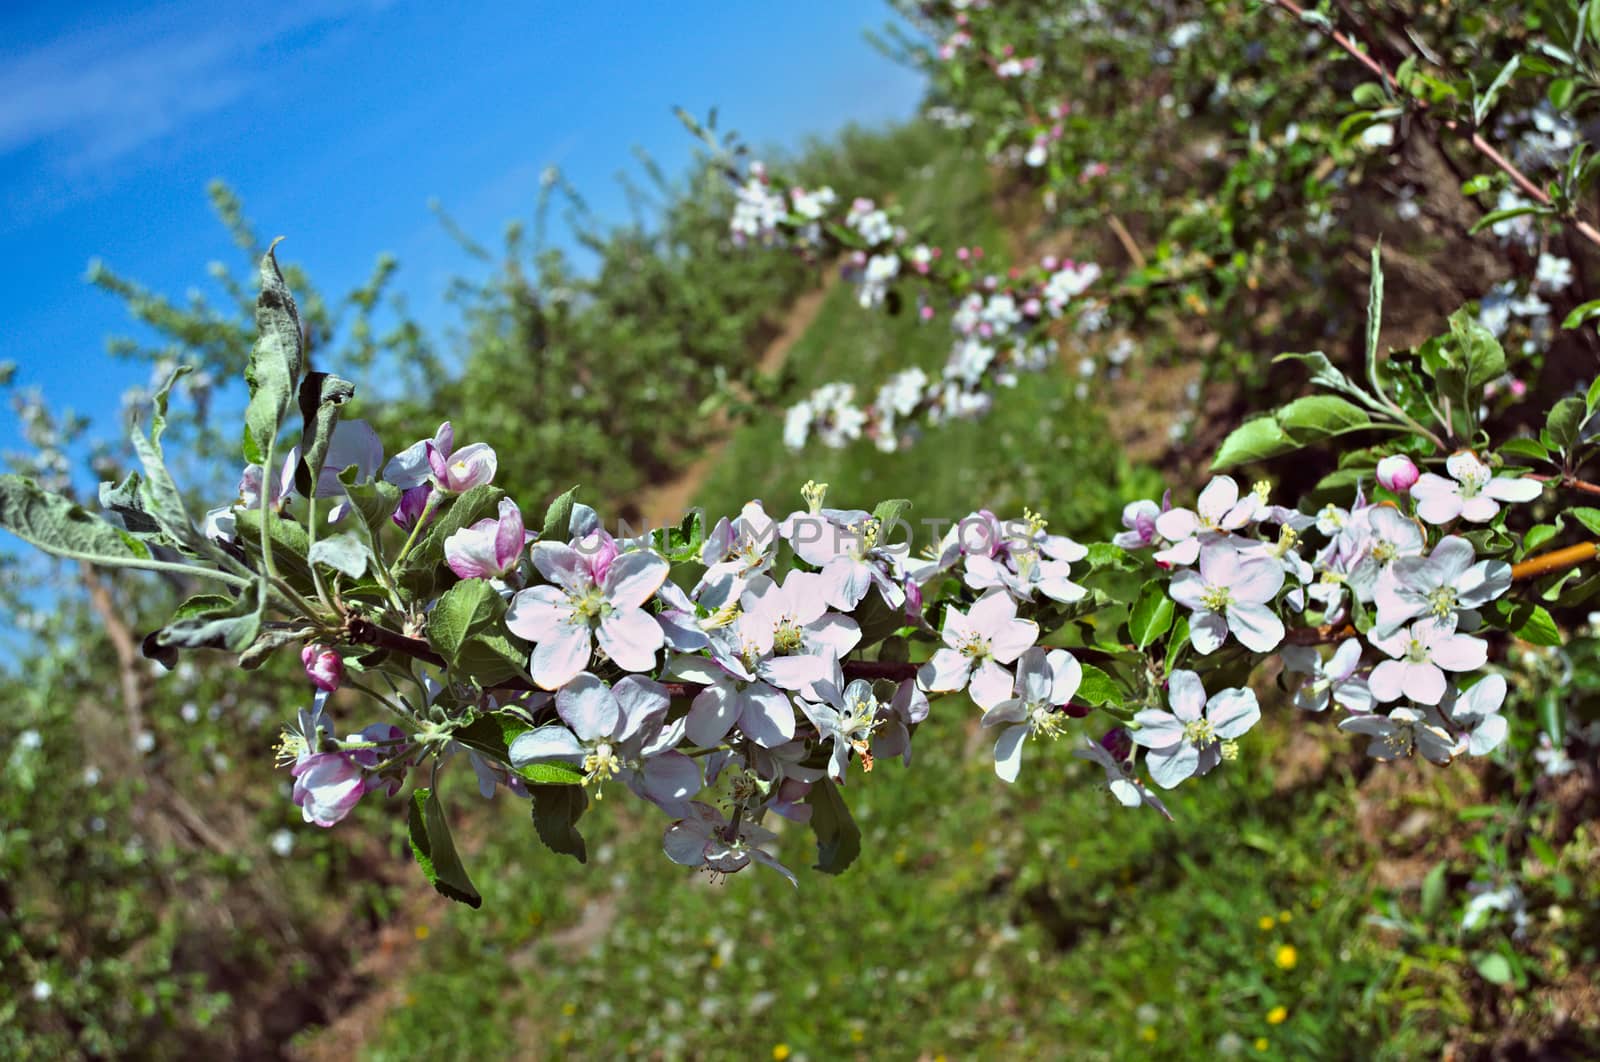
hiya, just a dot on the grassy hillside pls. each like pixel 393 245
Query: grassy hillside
pixel 1033 920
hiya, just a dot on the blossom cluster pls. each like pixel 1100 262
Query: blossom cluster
pixel 1402 601
pixel 763 633
pixel 1000 333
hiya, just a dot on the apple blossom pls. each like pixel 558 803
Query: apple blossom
pixel 976 644
pixel 592 598
pixel 1396 734
pixel 1421 654
pixel 1333 680
pixel 615 732
pixel 1472 493
pixel 1045 683
pixel 1439 586
pixel 1128 790
pixel 327 786
pixel 1218 510
pixel 1476 711
pixel 1231 592
pixel 489 548
pixel 1182 741
pixel 702 839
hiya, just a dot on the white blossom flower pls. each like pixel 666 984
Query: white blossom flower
pixel 1396 734
pixel 1182 742
pixel 1473 492
pixel 1422 654
pixel 1477 712
pixel 1231 592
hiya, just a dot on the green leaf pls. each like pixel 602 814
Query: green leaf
pixel 1494 217
pixel 125 501
pixel 1552 712
pixel 1587 311
pixel 62 527
pixel 321 395
pixel 1254 440
pixel 1485 103
pixel 275 364
pixel 463 611
pixel 232 626
pixel 1108 556
pixel 1475 185
pixel 375 502
pixel 1589 518
pixel 344 552
pixel 290 543
pixel 480 503
pixel 1537 536
pixel 877 619
pixel 1433 891
pixel 1481 353
pixel 159 495
pixel 838 836
pixel 1317 417
pixel 1565 419
pixel 435 851
pixel 1532 623
pixel 1098 688
pixel 1525 447
pixel 888 514
pixel 556 810
pixel 558 516
pixel 1323 373
pixel 1493 967
pixel 270 641
pixel 1152 613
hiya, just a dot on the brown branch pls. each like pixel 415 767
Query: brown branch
pixel 1569 481
pixel 1124 237
pixel 1323 635
pixel 367 633
pixel 1482 146
pixel 130 669
pixel 1555 561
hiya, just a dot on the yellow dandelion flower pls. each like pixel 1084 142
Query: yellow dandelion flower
pixel 422 932
pixel 1277 1015
pixel 1261 1043
pixel 1286 957
pixel 716 960
pixel 1284 916
pixel 1265 923
pixel 1148 1034
pixel 569 1009
pixel 780 1052
pixel 857 1035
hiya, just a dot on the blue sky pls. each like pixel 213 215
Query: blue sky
pixel 338 120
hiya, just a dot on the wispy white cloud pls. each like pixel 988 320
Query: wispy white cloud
pixel 102 92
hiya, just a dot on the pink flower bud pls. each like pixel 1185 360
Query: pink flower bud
pixel 1398 473
pixel 926 312
pixel 327 786
pixel 324 667
pixel 413 503
pixel 913 601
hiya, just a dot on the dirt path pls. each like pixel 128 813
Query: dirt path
pixel 665 503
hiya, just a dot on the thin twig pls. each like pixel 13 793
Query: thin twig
pixel 1482 146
